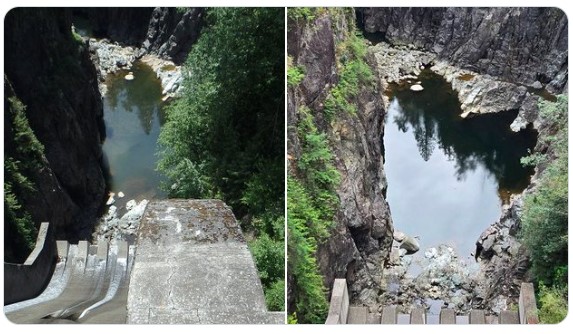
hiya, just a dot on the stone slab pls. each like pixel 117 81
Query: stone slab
pixel 357 315
pixel 477 317
pixel 389 315
pixel 418 316
pixel 508 317
pixel 447 316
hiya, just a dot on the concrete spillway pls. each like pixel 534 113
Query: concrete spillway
pixel 89 285
pixel 190 265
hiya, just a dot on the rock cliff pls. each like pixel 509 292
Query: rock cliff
pixel 360 241
pixel 520 45
pixel 171 32
pixel 167 32
pixel 52 75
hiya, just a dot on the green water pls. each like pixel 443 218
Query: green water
pixel 447 176
pixel 133 117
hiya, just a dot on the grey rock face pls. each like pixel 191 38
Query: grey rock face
pixel 125 25
pixel 171 33
pixel 52 74
pixel 521 45
pixel 360 242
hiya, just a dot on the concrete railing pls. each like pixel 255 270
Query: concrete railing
pixel 339 303
pixel 341 312
pixel 28 280
pixel 527 305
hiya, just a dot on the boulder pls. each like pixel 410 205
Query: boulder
pixel 537 85
pixel 130 204
pixel 416 88
pixel 399 236
pixel 411 245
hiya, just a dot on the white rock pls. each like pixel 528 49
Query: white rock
pixel 431 253
pixel 120 194
pixel 110 200
pixel 399 236
pixel 416 88
pixel 130 204
pixel 129 76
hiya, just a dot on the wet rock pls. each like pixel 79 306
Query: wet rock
pixel 416 88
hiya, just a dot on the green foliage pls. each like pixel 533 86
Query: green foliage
pixel 301 13
pixel 553 303
pixel 269 256
pixel 295 74
pixel 545 213
pixel 354 72
pixel 312 204
pixel 15 215
pixel 292 319
pixel 224 138
pixel 308 289
pixel 23 157
pixel 77 37
pixel 275 296
pixel 181 10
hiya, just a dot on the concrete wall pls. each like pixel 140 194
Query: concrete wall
pixel 339 303
pixel 28 280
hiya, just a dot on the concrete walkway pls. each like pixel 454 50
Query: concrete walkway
pixel 194 267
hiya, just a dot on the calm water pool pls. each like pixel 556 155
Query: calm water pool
pixel 133 117
pixel 447 176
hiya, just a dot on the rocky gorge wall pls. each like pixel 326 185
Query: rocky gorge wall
pixel 359 243
pixel 520 45
pixel 497 59
pixel 167 32
pixel 50 72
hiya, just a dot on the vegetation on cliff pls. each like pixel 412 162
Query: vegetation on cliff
pixel 313 177
pixel 225 137
pixel 545 214
pixel 22 157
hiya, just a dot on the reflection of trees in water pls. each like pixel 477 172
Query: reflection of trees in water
pixel 485 140
pixel 141 95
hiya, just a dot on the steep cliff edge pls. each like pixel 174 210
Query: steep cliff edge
pixel 350 113
pixel 167 32
pixel 520 45
pixel 52 75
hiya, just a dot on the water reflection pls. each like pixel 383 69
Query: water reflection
pixel 433 116
pixel 133 116
pixel 447 177
pixel 141 95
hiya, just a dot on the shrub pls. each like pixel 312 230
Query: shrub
pixel 545 213
pixel 275 296
pixel 553 304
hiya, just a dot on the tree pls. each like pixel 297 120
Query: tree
pixel 224 138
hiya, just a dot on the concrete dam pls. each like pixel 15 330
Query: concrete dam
pixel 190 264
